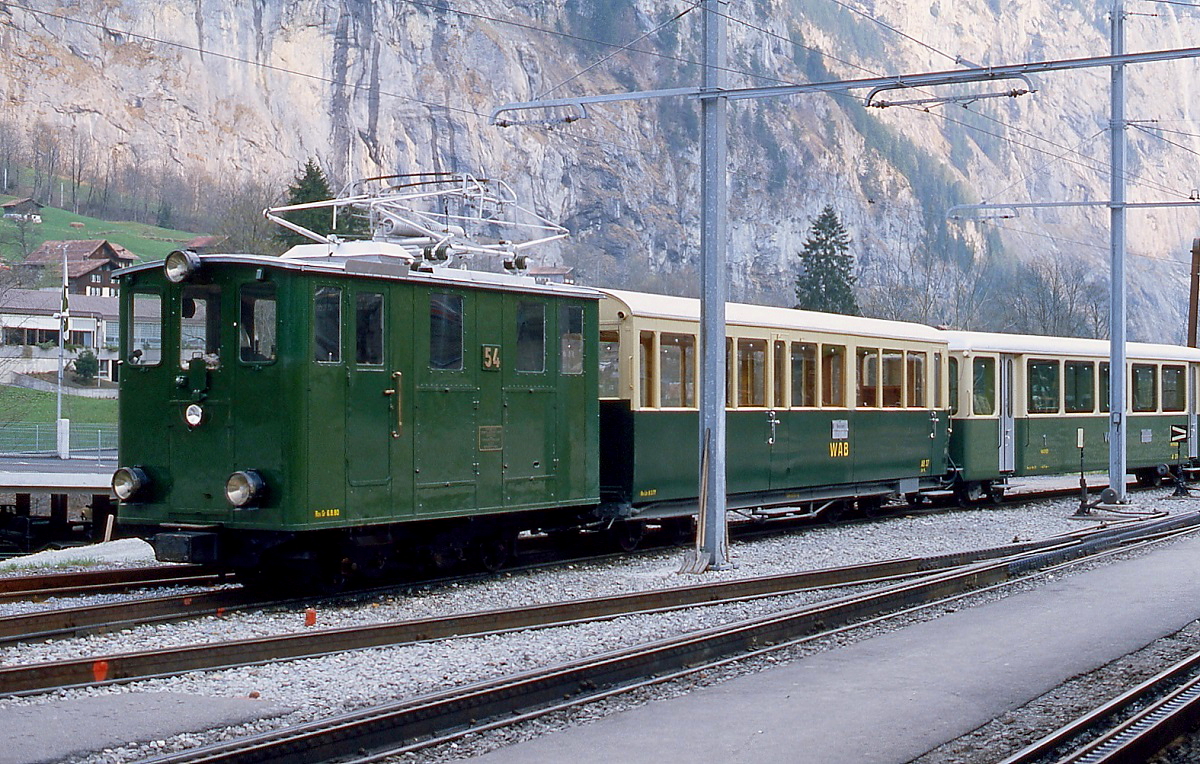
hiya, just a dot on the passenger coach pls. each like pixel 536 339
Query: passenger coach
pixel 820 408
pixel 1020 405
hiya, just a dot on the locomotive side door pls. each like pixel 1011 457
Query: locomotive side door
pixel 1007 445
pixel 378 458
pixel 530 415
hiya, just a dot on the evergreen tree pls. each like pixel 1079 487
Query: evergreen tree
pixel 826 280
pixel 87 366
pixel 311 186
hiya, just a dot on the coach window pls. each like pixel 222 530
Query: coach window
pixel 953 369
pixel 677 370
pixel 833 376
pixel 1174 388
pixel 1079 387
pixel 327 325
pixel 1042 381
pixel 804 374
pixel 531 337
pixel 937 380
pixel 446 332
pixel 983 386
pixel 646 369
pixel 892 389
pixel 868 377
pixel 1145 387
pixel 1105 402
pixel 368 329
pixel 256 322
pixel 752 373
pixel 144 332
pixel 200 325
pixel 730 374
pixel 570 334
pixel 915 366
pixel 610 365
pixel 779 396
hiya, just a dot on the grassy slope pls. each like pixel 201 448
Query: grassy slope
pixel 146 241
pixel 20 405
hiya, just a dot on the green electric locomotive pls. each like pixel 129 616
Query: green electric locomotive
pixel 344 413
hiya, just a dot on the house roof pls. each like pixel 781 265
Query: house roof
pixel 79 249
pixel 205 242
pixel 21 202
pixel 47 302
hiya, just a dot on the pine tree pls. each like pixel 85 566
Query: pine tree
pixel 311 186
pixel 826 280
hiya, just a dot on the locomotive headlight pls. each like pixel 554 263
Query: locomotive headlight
pixel 180 265
pixel 193 415
pixel 128 482
pixel 245 488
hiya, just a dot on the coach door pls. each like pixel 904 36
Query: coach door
pixel 1007 445
pixel 378 458
pixel 1193 447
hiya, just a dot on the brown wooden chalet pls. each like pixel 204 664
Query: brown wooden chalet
pixel 22 209
pixel 90 264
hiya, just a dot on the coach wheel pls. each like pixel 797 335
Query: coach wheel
pixel 914 499
pixel 627 534
pixel 871 506
pixel 1148 478
pixel 835 512
pixel 679 530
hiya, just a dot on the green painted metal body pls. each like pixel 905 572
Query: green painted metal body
pixel 810 449
pixel 1049 445
pixel 348 444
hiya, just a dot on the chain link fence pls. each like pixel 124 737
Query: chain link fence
pixel 88 441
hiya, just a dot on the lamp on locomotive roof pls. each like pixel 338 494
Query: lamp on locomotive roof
pixel 181 265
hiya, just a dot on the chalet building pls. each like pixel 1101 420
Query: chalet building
pixel 206 245
pixel 551 274
pixel 22 209
pixel 29 327
pixel 90 264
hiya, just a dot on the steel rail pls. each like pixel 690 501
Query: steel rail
pixel 386 727
pixel 113 579
pixel 1139 737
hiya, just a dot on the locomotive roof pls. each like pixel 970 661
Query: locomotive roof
pixel 740 314
pixel 386 267
pixel 1029 344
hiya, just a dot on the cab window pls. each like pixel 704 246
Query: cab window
pixel 368 329
pixel 256 323
pixel 200 325
pixel 531 336
pixel 327 324
pixel 446 332
pixel 570 333
pixel 144 332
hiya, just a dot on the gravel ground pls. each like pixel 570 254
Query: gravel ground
pixel 318 687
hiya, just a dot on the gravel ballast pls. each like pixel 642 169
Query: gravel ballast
pixel 318 687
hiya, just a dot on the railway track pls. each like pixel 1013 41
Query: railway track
pixel 102 581
pixel 1129 729
pixel 443 717
pixel 430 719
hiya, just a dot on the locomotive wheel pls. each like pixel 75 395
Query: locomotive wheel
pixel 493 552
pixel 627 534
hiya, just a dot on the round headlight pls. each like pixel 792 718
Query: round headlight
pixel 128 482
pixel 245 488
pixel 193 415
pixel 180 265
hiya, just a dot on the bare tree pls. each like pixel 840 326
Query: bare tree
pixel 46 154
pixel 11 151
pixel 1059 297
pixel 79 164
pixel 237 215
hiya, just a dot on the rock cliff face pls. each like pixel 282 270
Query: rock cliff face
pixel 225 88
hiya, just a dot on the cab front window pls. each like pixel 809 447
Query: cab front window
pixel 200 325
pixel 144 332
